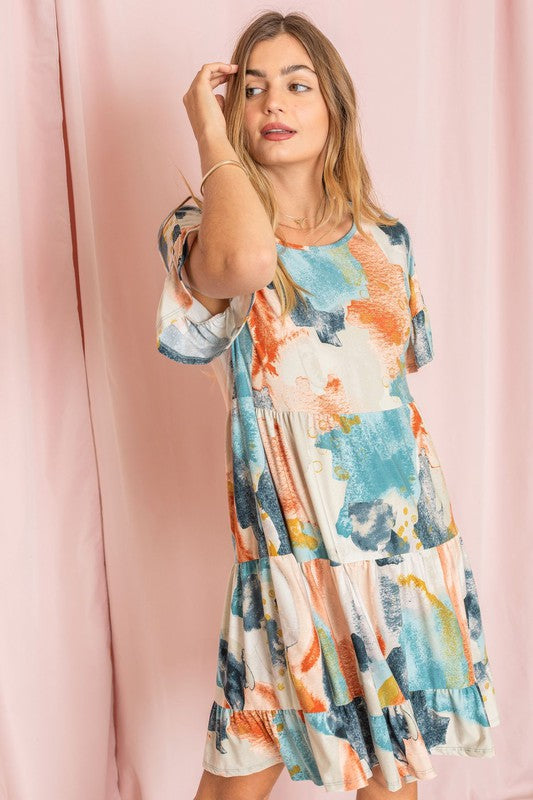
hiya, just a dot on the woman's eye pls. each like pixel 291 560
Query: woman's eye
pixel 251 88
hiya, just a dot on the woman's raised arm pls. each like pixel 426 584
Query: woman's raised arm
pixel 235 251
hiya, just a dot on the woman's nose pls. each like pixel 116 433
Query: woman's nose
pixel 273 101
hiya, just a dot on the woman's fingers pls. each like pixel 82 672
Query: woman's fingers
pixel 219 66
pixel 198 99
pixel 218 72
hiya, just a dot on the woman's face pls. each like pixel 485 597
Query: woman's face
pixel 293 99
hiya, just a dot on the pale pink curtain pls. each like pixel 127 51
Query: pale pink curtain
pixel 115 545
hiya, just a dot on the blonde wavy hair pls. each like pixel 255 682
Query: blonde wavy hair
pixel 345 177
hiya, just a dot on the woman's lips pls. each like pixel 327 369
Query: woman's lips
pixel 278 136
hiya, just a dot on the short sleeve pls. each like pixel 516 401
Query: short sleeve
pixel 420 347
pixel 186 329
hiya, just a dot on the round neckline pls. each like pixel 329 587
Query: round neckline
pixel 294 246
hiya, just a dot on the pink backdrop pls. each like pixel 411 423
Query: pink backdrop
pixel 112 511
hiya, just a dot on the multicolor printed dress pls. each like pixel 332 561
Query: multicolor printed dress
pixel 351 633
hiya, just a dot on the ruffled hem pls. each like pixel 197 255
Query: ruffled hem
pixel 332 668
pixel 337 749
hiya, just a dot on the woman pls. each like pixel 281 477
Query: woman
pixel 351 645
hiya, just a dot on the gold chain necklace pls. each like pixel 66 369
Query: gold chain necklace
pixel 299 228
pixel 310 244
pixel 299 220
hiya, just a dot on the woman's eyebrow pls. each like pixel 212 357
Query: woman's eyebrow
pixel 283 71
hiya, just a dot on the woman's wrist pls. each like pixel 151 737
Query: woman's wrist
pixel 214 147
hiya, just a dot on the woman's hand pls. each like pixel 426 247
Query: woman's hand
pixel 205 109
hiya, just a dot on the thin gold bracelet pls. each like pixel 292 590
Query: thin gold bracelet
pixel 219 164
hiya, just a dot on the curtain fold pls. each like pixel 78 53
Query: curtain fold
pixel 56 682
